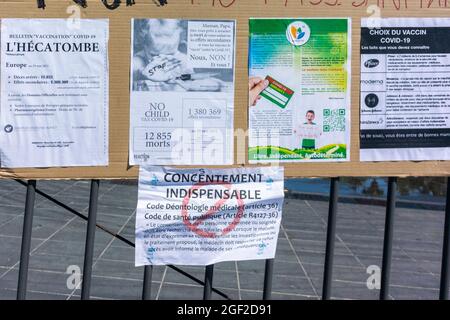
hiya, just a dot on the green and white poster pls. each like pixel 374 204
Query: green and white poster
pixel 299 90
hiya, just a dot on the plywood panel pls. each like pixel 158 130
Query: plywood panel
pixel 241 10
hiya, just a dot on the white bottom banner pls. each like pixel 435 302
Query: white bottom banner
pixel 202 217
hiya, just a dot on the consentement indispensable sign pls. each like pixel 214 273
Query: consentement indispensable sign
pixel 202 217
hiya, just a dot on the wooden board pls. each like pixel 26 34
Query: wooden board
pixel 241 10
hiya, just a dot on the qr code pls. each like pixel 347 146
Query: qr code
pixel 333 120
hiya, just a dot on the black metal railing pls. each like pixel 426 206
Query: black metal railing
pixel 92 225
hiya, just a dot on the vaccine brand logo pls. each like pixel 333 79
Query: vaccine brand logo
pixel 372 63
pixel 298 33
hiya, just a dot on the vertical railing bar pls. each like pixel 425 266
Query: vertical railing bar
pixel 388 238
pixel 207 289
pixel 268 279
pixel 90 238
pixel 26 240
pixel 118 236
pixel 147 286
pixel 331 238
pixel 445 269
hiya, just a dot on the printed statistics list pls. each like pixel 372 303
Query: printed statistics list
pixel 54 101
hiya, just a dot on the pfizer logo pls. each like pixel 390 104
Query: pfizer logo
pixel 372 63
pixel 298 33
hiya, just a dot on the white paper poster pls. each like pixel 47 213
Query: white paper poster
pixel 54 93
pixel 405 89
pixel 182 92
pixel 202 217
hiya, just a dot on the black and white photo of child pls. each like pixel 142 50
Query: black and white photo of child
pixel 161 63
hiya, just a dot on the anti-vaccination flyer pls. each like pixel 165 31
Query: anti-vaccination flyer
pixel 405 89
pixel 54 92
pixel 182 92
pixel 299 90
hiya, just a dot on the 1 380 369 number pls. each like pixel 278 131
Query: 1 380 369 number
pixel 205 112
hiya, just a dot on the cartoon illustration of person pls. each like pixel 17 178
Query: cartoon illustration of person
pixel 309 131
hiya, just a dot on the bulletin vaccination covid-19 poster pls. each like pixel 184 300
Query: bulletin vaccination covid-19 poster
pixel 54 93
pixel 299 90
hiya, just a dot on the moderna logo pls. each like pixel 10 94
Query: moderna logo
pixel 372 63
pixel 298 33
